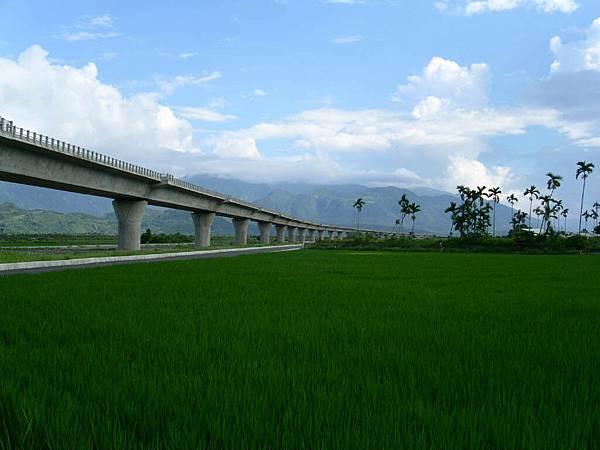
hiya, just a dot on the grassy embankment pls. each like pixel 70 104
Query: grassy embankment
pixel 523 244
pixel 15 254
pixel 305 350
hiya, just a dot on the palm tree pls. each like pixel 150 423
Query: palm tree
pixel 494 194
pixel 532 192
pixel 553 182
pixel 584 169
pixel 413 210
pixel 586 215
pixel 358 204
pixel 594 216
pixel 548 211
pixel 596 207
pixel 558 207
pixel 512 200
pixel 452 209
pixel 478 194
pixel 403 211
pixel 565 213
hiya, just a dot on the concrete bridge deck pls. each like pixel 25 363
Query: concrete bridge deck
pixel 28 157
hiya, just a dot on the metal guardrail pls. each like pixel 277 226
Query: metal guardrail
pixel 8 128
pixel 24 135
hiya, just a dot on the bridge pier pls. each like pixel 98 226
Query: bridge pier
pixel 332 235
pixel 202 223
pixel 291 234
pixel 265 232
pixel 129 217
pixel 320 234
pixel 311 235
pixel 280 231
pixel 241 230
pixel 340 234
pixel 301 234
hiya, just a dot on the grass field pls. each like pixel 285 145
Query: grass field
pixel 311 349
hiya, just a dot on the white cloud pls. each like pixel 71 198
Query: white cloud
pixel 203 114
pixel 445 79
pixel 471 172
pixel 347 39
pixel 438 138
pixel 471 7
pixel 347 2
pixel 429 107
pixel 187 55
pixel 168 85
pixel 244 148
pixel 73 104
pixel 579 55
pixel 108 55
pixel 259 93
pixel 89 28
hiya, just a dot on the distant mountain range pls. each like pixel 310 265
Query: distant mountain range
pixel 35 210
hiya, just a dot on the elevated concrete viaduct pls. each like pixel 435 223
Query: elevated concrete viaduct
pixel 29 158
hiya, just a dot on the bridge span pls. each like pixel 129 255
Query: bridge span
pixel 30 158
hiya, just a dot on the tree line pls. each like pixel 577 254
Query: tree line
pixel 475 214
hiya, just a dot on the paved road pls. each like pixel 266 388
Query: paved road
pixel 47 266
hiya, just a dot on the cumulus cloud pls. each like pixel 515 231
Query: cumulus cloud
pixel 471 172
pixel 573 86
pixel 72 104
pixel 446 80
pixel 259 93
pixel 473 7
pixel 237 148
pixel 437 137
pixel 579 55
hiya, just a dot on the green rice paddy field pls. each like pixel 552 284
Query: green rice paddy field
pixel 308 349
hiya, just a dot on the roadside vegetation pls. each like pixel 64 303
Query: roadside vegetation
pixel 311 349
pixel 523 243
pixel 7 240
pixel 24 250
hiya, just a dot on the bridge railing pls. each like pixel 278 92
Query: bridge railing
pixel 8 128
pixel 22 134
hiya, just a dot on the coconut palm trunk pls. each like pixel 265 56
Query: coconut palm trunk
pixel 581 206
pixel 494 227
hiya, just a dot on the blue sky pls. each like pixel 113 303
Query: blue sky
pixel 380 92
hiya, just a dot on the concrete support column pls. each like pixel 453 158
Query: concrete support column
pixel 311 235
pixel 265 232
pixel 129 216
pixel 280 231
pixel 291 234
pixel 241 230
pixel 340 234
pixel 320 234
pixel 301 234
pixel 332 235
pixel 202 223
